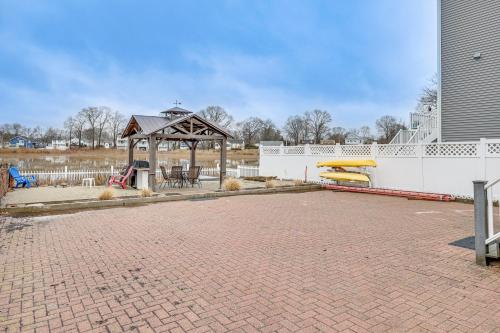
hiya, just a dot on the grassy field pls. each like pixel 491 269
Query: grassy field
pixel 84 152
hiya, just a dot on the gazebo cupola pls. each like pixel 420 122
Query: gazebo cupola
pixel 175 112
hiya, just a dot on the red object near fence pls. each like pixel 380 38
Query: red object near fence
pixel 395 193
pixel 121 179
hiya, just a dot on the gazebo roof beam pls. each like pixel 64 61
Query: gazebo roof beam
pixel 178 136
pixel 180 129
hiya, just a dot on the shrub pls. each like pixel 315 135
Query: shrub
pixel 298 182
pixel 107 194
pixel 146 193
pixel 232 184
pixel 271 183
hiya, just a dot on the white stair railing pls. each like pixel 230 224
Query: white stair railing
pixel 403 137
pixel 492 237
pixel 423 129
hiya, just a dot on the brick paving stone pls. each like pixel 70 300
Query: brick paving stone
pixel 311 262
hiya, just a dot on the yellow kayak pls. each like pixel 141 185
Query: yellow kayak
pixel 347 163
pixel 345 176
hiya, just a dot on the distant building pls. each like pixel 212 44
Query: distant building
pixel 353 139
pixel 327 142
pixel 231 144
pixel 142 145
pixel 58 145
pixel 20 142
pixel 122 143
pixel 235 144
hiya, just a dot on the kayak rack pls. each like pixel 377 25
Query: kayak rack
pixel 395 193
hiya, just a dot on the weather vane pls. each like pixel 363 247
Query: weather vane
pixel 177 103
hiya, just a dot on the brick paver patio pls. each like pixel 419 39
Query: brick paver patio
pixel 322 261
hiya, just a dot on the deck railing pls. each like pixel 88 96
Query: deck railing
pixel 423 129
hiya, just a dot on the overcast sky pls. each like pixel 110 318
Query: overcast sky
pixel 358 59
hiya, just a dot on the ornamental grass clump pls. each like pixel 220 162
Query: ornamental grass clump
pixel 107 194
pixel 271 183
pixel 145 193
pixel 298 182
pixel 232 184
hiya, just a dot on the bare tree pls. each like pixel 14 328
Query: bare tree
pixel 102 121
pixel 269 131
pixel 116 123
pixel 388 127
pixel 69 125
pixel 92 115
pixel 294 128
pixel 217 115
pixel 319 122
pixel 307 125
pixel 338 134
pixel 51 134
pixel 79 124
pixel 250 129
pixel 427 100
pixel 365 133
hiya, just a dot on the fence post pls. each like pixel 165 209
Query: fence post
pixel 338 150
pixel 307 149
pixel 112 170
pixel 480 221
pixel 374 150
pixel 238 172
pixel 66 173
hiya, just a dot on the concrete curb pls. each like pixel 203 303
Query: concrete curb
pixel 136 201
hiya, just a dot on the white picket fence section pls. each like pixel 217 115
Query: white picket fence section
pixel 66 175
pixel 436 167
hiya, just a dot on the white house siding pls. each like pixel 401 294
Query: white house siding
pixel 470 88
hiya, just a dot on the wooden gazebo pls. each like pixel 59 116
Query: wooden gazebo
pixel 176 124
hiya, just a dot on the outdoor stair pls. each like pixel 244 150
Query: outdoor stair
pixel 423 129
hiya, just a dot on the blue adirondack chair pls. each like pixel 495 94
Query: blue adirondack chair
pixel 24 181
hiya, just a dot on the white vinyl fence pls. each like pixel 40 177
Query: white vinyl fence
pixel 65 175
pixel 446 168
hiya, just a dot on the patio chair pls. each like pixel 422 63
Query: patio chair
pixel 176 176
pixel 25 181
pixel 122 178
pixel 167 180
pixel 193 176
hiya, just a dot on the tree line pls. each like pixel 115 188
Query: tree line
pixel 310 127
pixel 98 124
pixel 93 126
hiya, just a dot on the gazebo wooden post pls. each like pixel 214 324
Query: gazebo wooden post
pixel 192 163
pixel 130 150
pixel 130 156
pixel 223 154
pixel 152 162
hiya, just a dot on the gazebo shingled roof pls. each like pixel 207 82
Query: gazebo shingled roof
pixel 182 125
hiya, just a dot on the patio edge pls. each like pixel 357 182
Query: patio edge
pixel 135 201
